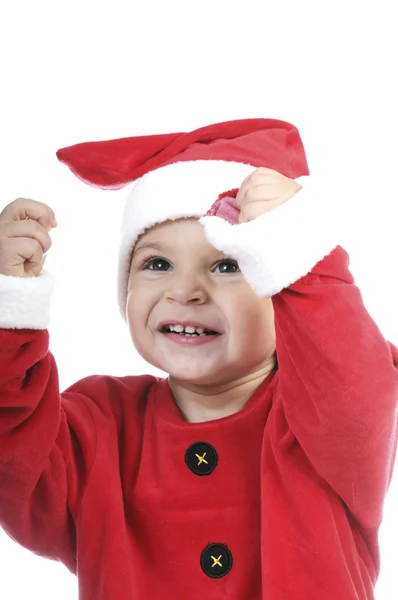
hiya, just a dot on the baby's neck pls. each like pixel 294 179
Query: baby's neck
pixel 200 404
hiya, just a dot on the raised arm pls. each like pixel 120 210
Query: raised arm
pixel 46 448
pixel 338 383
pixel 338 380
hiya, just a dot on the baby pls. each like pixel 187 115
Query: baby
pixel 259 467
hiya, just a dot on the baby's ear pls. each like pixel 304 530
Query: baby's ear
pixel 226 207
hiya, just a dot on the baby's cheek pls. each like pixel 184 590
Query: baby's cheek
pixel 134 314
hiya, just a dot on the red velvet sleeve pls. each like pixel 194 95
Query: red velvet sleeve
pixel 339 385
pixel 46 449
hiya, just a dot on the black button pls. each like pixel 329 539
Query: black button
pixel 201 458
pixel 216 560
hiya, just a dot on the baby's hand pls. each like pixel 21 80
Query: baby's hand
pixel 263 190
pixel 24 237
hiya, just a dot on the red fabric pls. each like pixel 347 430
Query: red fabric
pixel 225 207
pixel 96 477
pixel 112 164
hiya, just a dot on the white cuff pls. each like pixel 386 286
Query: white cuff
pixel 25 301
pixel 281 246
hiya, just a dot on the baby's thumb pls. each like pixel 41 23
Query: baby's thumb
pixel 38 269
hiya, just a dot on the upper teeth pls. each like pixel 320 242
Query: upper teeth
pixel 187 329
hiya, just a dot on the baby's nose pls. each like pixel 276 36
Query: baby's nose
pixel 186 291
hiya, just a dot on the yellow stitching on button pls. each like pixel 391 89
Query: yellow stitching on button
pixel 201 459
pixel 216 561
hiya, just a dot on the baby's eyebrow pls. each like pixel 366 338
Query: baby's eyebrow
pixel 152 246
pixel 164 248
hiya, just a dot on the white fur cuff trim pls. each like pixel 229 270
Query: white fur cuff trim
pixel 283 245
pixel 25 301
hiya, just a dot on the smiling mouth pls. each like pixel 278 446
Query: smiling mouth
pixel 188 331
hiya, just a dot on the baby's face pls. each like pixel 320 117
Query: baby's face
pixel 176 276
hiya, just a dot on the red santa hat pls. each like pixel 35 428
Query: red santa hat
pixel 183 174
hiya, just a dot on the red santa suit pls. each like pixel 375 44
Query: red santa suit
pixel 281 500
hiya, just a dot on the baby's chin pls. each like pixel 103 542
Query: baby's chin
pixel 207 379
pixel 191 371
pixel 197 378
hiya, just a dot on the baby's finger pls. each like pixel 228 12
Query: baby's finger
pixel 261 174
pixel 34 265
pixel 254 193
pixel 18 253
pixel 24 208
pixel 252 179
pixel 26 249
pixel 27 229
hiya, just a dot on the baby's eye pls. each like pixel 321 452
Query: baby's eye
pixel 157 264
pixel 227 266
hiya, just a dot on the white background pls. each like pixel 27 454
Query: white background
pixel 81 70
